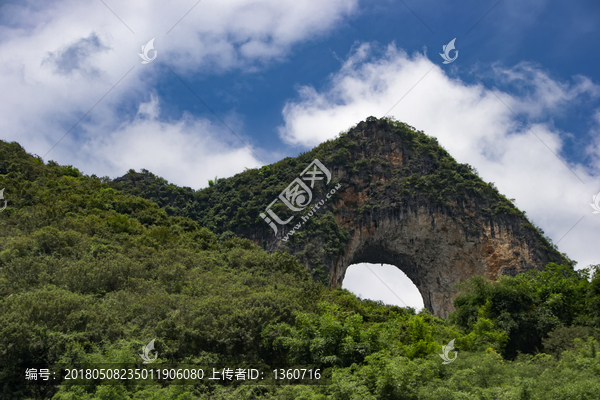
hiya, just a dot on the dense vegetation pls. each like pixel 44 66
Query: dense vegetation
pixel 89 274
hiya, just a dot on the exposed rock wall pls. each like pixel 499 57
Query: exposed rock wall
pixel 434 252
pixel 436 246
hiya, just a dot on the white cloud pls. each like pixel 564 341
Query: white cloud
pixel 474 126
pixel 187 152
pixel 58 59
pixel 541 95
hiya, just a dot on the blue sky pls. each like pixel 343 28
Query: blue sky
pixel 554 36
pixel 521 102
pixel 539 35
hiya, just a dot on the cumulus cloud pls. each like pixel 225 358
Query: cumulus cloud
pixel 476 125
pixel 187 152
pixel 70 59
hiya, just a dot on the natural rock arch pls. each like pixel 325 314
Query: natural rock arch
pixel 432 251
pixel 389 219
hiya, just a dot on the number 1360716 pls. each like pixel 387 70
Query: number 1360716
pixel 297 374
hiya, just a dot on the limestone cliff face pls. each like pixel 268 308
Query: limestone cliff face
pixel 439 236
pixel 434 252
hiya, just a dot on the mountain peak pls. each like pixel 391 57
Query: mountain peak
pixel 394 196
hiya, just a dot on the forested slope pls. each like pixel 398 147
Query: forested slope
pixel 90 274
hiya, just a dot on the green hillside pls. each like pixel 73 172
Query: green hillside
pixel 89 274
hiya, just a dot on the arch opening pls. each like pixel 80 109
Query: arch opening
pixel 383 282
